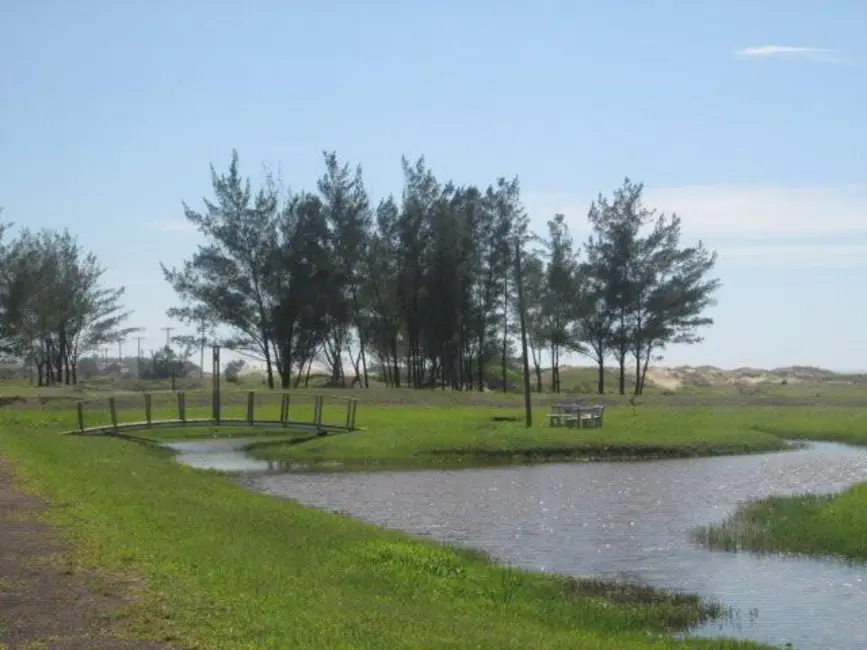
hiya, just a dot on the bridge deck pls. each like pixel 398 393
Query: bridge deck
pixel 206 422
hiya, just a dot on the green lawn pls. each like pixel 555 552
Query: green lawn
pixel 829 423
pixel 226 568
pixel 424 437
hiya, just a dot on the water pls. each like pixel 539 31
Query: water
pixel 225 455
pixel 627 521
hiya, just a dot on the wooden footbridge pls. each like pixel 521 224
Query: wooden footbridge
pixel 284 421
pixel 116 426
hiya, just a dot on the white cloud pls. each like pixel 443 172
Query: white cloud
pixel 794 255
pixel 767 210
pixel 817 54
pixel 747 225
pixel 735 210
pixel 172 226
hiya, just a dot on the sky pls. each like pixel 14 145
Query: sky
pixel 744 117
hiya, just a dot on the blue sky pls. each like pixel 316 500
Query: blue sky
pixel 747 118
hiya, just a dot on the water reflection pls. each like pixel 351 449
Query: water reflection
pixel 224 455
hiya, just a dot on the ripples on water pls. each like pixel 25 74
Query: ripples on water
pixel 627 521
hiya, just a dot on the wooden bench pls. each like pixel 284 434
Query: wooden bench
pixel 575 415
pixel 560 412
pixel 589 417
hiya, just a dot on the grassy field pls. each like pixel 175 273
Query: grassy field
pixel 458 437
pixel 219 567
pixel 454 435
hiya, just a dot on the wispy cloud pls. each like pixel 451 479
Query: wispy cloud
pixel 748 225
pixel 808 53
pixel 768 210
pixel 733 210
pixel 783 255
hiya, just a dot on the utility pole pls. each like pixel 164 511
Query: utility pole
pixel 120 341
pixel 168 331
pixel 171 366
pixel 528 412
pixel 138 340
pixel 203 325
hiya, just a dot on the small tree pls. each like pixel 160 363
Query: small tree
pixel 644 290
pixel 225 281
pixel 232 372
pixel 561 292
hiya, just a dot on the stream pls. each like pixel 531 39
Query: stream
pixel 616 520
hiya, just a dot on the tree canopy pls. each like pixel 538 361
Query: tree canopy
pixel 421 288
pixel 54 304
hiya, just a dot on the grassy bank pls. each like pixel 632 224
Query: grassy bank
pixel 828 525
pixel 425 437
pixel 808 525
pixel 224 568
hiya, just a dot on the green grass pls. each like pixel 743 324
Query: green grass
pixel 225 568
pixel 409 436
pixel 806 525
pixel 828 423
pixel 459 437
pixel 828 525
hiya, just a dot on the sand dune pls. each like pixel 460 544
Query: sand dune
pixel 672 378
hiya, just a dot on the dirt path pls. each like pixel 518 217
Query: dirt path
pixel 46 602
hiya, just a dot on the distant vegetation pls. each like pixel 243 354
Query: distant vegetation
pixel 422 291
pixel 54 305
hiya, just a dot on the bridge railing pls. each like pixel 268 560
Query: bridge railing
pixel 169 409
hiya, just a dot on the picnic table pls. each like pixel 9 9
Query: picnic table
pixel 574 414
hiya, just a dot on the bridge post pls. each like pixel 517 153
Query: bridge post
pixel 317 411
pixel 251 407
pixel 80 407
pixel 215 380
pixel 182 407
pixel 147 398
pixel 112 407
pixel 284 408
pixel 354 411
pixel 349 404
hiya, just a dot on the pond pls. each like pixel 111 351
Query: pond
pixel 624 521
